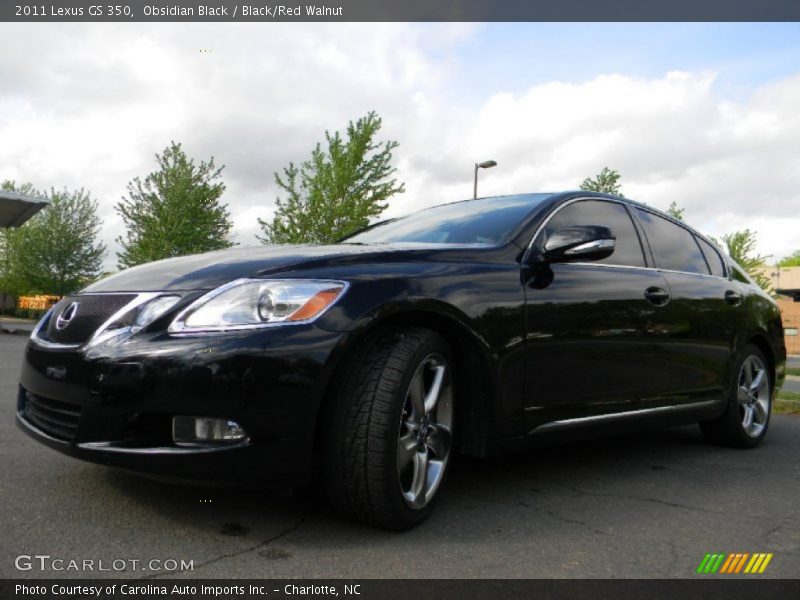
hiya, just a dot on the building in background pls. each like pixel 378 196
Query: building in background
pixel 786 283
pixel 40 302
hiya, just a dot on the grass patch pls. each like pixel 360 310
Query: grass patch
pixel 787 403
pixel 793 371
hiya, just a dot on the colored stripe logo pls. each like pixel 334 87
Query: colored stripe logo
pixel 737 562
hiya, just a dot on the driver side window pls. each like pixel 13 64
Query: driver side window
pixel 627 248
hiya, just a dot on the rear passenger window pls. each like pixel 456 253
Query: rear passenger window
pixel 713 258
pixel 627 248
pixel 674 248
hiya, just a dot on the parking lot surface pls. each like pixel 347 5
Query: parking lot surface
pixel 647 505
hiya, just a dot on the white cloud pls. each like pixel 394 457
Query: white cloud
pixel 730 165
pixel 89 105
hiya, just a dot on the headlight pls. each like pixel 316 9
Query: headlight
pixel 251 303
pixel 152 310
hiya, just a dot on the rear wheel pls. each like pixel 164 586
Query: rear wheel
pixel 389 432
pixel 746 419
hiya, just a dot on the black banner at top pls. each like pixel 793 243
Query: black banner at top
pixel 398 10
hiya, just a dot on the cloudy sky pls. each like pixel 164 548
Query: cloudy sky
pixel 707 115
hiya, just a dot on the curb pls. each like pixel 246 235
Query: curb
pixel 14 331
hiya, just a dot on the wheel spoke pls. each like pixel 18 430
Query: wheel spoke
pixel 755 384
pixel 747 418
pixel 439 441
pixel 406 448
pixel 748 373
pixel 419 483
pixel 432 397
pixel 416 392
pixel 760 412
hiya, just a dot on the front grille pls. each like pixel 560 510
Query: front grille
pixel 87 314
pixel 55 417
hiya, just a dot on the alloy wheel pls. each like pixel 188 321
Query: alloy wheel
pixel 754 395
pixel 425 437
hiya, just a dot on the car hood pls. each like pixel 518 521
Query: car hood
pixel 212 269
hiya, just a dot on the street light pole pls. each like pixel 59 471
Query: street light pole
pixel 487 164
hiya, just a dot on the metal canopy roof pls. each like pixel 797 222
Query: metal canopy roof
pixel 15 208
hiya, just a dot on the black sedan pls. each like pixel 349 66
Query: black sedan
pixel 475 327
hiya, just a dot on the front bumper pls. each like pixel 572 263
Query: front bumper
pixel 118 399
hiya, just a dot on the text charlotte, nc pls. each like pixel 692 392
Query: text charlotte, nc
pixel 243 10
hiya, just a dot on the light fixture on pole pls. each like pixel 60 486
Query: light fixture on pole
pixel 487 164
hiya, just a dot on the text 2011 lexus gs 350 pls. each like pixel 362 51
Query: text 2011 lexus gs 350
pixel 475 327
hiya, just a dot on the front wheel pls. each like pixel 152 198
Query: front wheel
pixel 389 435
pixel 746 419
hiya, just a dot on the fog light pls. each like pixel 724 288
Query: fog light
pixel 202 430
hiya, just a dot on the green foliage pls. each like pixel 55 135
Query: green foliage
pixel 793 260
pixel 57 251
pixel 175 211
pixel 741 247
pixel 606 181
pixel 9 276
pixel 675 211
pixel 9 185
pixel 787 403
pixel 33 314
pixel 11 282
pixel 338 190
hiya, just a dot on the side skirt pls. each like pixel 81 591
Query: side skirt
pixel 597 426
pixel 631 414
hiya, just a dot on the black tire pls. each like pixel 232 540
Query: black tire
pixel 729 429
pixel 364 422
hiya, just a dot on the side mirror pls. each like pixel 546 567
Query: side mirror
pixel 579 243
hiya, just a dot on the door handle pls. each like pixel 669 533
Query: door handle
pixel 734 298
pixel 656 295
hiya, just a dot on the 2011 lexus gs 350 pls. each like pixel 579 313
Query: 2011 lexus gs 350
pixel 475 327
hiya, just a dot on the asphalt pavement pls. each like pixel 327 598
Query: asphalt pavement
pixel 643 506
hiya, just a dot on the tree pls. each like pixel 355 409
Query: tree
pixel 8 280
pixel 10 283
pixel 793 260
pixel 675 211
pixel 57 251
pixel 9 185
pixel 741 247
pixel 606 181
pixel 338 190
pixel 175 211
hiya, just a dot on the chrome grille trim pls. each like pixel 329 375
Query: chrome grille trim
pixel 138 300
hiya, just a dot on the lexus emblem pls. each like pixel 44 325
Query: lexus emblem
pixel 66 316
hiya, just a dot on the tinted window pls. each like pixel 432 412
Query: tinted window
pixel 739 275
pixel 713 258
pixel 482 221
pixel 673 247
pixel 627 248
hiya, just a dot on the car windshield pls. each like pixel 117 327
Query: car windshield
pixel 482 221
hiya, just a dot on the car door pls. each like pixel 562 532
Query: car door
pixel 703 313
pixel 592 327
